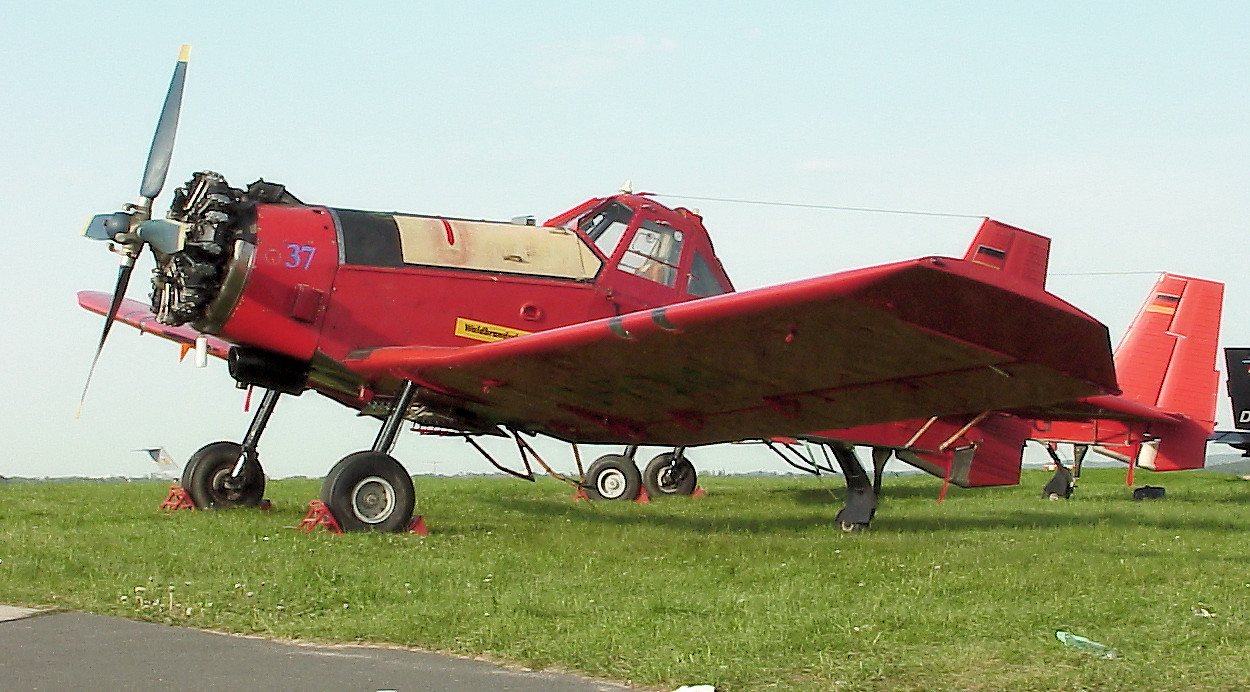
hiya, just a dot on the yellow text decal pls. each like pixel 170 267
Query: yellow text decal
pixel 484 331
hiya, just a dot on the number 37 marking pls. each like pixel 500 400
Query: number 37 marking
pixel 301 256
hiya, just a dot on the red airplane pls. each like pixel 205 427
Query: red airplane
pixel 1166 365
pixel 613 322
pixel 1161 421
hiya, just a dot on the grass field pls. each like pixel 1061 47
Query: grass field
pixel 748 588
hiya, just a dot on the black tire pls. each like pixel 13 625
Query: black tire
pixel 663 477
pixel 369 491
pixel 613 477
pixel 206 476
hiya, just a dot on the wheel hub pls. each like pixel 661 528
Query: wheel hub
pixel 373 500
pixel 611 484
pixel 225 487
pixel 668 480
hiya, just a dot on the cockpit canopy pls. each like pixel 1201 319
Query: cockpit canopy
pixel 640 237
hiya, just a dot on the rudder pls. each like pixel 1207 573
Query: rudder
pixel 1014 251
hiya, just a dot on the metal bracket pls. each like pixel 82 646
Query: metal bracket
pixel 527 476
pixel 525 450
pixel 806 464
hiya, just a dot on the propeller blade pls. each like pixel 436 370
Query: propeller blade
pixel 164 236
pixel 123 278
pixel 163 139
pixel 105 226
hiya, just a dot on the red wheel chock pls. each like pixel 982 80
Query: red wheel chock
pixel 698 492
pixel 642 499
pixel 177 499
pixel 319 515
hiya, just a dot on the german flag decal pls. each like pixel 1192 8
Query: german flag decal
pixel 484 331
pixel 1165 304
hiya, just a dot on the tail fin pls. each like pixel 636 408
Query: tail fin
pixel 1167 357
pixel 1237 361
pixel 1167 360
pixel 1012 250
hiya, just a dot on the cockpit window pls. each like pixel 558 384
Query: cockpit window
pixel 654 253
pixel 703 281
pixel 606 225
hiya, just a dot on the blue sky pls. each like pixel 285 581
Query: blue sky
pixel 1117 129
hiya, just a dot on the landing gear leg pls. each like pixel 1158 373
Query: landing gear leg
pixel 371 491
pixel 880 455
pixel 227 474
pixel 1078 458
pixel 1061 485
pixel 861 497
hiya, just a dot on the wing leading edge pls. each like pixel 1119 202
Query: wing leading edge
pixel 932 336
pixel 139 316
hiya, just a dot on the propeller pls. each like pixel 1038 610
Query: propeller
pixel 128 230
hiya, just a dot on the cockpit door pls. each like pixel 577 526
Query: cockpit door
pixel 645 257
pixel 652 255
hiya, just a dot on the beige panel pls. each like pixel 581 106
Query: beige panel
pixel 498 247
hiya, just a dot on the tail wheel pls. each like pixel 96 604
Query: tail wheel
pixel 613 477
pixel 663 477
pixel 208 477
pixel 369 491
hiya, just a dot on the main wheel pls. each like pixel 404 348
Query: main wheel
pixel 663 477
pixel 369 491
pixel 207 477
pixel 613 477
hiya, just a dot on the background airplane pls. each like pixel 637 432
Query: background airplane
pixel 168 468
pixel 611 323
pixel 1237 366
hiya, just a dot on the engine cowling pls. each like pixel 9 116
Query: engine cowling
pixel 255 266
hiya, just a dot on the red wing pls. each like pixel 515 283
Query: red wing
pixel 910 340
pixel 138 315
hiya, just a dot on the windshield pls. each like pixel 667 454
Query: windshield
pixel 606 225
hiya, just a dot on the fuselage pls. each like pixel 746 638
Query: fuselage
pixel 312 284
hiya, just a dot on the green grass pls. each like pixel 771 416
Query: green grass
pixel 748 588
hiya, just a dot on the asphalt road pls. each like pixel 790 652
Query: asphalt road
pixel 78 651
